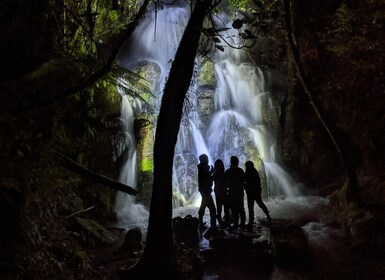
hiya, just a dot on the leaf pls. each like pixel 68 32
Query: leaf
pixel 219 47
pixel 222 29
pixel 237 24
pixel 113 15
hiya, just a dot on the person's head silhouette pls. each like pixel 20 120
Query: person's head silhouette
pixel 234 161
pixel 203 158
pixel 219 166
pixel 249 165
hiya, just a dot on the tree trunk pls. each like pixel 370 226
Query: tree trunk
pixel 158 261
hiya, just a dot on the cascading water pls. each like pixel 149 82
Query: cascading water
pixel 239 118
pixel 154 41
pixel 240 124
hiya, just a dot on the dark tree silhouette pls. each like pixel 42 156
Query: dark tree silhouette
pixel 159 258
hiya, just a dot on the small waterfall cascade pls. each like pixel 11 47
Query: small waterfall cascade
pixel 242 120
pixel 154 42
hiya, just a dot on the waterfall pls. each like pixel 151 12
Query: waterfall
pixel 242 122
pixel 154 41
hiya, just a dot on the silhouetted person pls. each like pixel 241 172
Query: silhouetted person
pixel 220 190
pixel 205 188
pixel 254 192
pixel 235 181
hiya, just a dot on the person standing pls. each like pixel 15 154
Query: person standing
pixel 234 177
pixel 205 188
pixel 254 192
pixel 220 190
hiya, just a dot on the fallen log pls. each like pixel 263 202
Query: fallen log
pixel 81 170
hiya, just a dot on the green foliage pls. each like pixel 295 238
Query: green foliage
pixel 344 19
pixel 254 20
pixel 350 31
pixel 340 31
pixel 246 6
pixel 250 7
pixel 88 25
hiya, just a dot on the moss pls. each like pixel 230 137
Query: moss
pixel 148 74
pixel 144 130
pixel 207 74
pixel 147 165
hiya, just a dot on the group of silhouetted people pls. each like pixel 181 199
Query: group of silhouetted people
pixel 229 187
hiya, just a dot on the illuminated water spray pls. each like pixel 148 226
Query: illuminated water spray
pixel 241 122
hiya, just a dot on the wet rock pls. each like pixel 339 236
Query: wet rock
pixel 186 230
pixel 236 253
pixel 290 240
pixel 132 241
pixel 149 73
pixel 207 74
pixel 206 104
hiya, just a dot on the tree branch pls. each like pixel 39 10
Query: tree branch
pixel 80 211
pixel 75 167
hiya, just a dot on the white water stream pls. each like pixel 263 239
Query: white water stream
pixel 241 123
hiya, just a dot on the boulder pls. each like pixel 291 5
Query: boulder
pixel 186 230
pixel 132 241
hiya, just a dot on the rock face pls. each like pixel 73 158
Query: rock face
pixel 144 128
pixel 144 133
pixel 148 76
pixel 205 105
pixel 206 76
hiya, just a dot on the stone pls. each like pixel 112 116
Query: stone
pixel 207 74
pixel 186 230
pixel 133 241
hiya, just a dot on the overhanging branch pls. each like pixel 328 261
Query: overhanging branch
pixel 81 170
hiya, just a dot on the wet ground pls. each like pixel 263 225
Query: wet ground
pixel 237 254
pixel 300 243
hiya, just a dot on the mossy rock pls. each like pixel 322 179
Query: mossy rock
pixel 207 74
pixel 148 77
pixel 144 133
pixel 206 104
